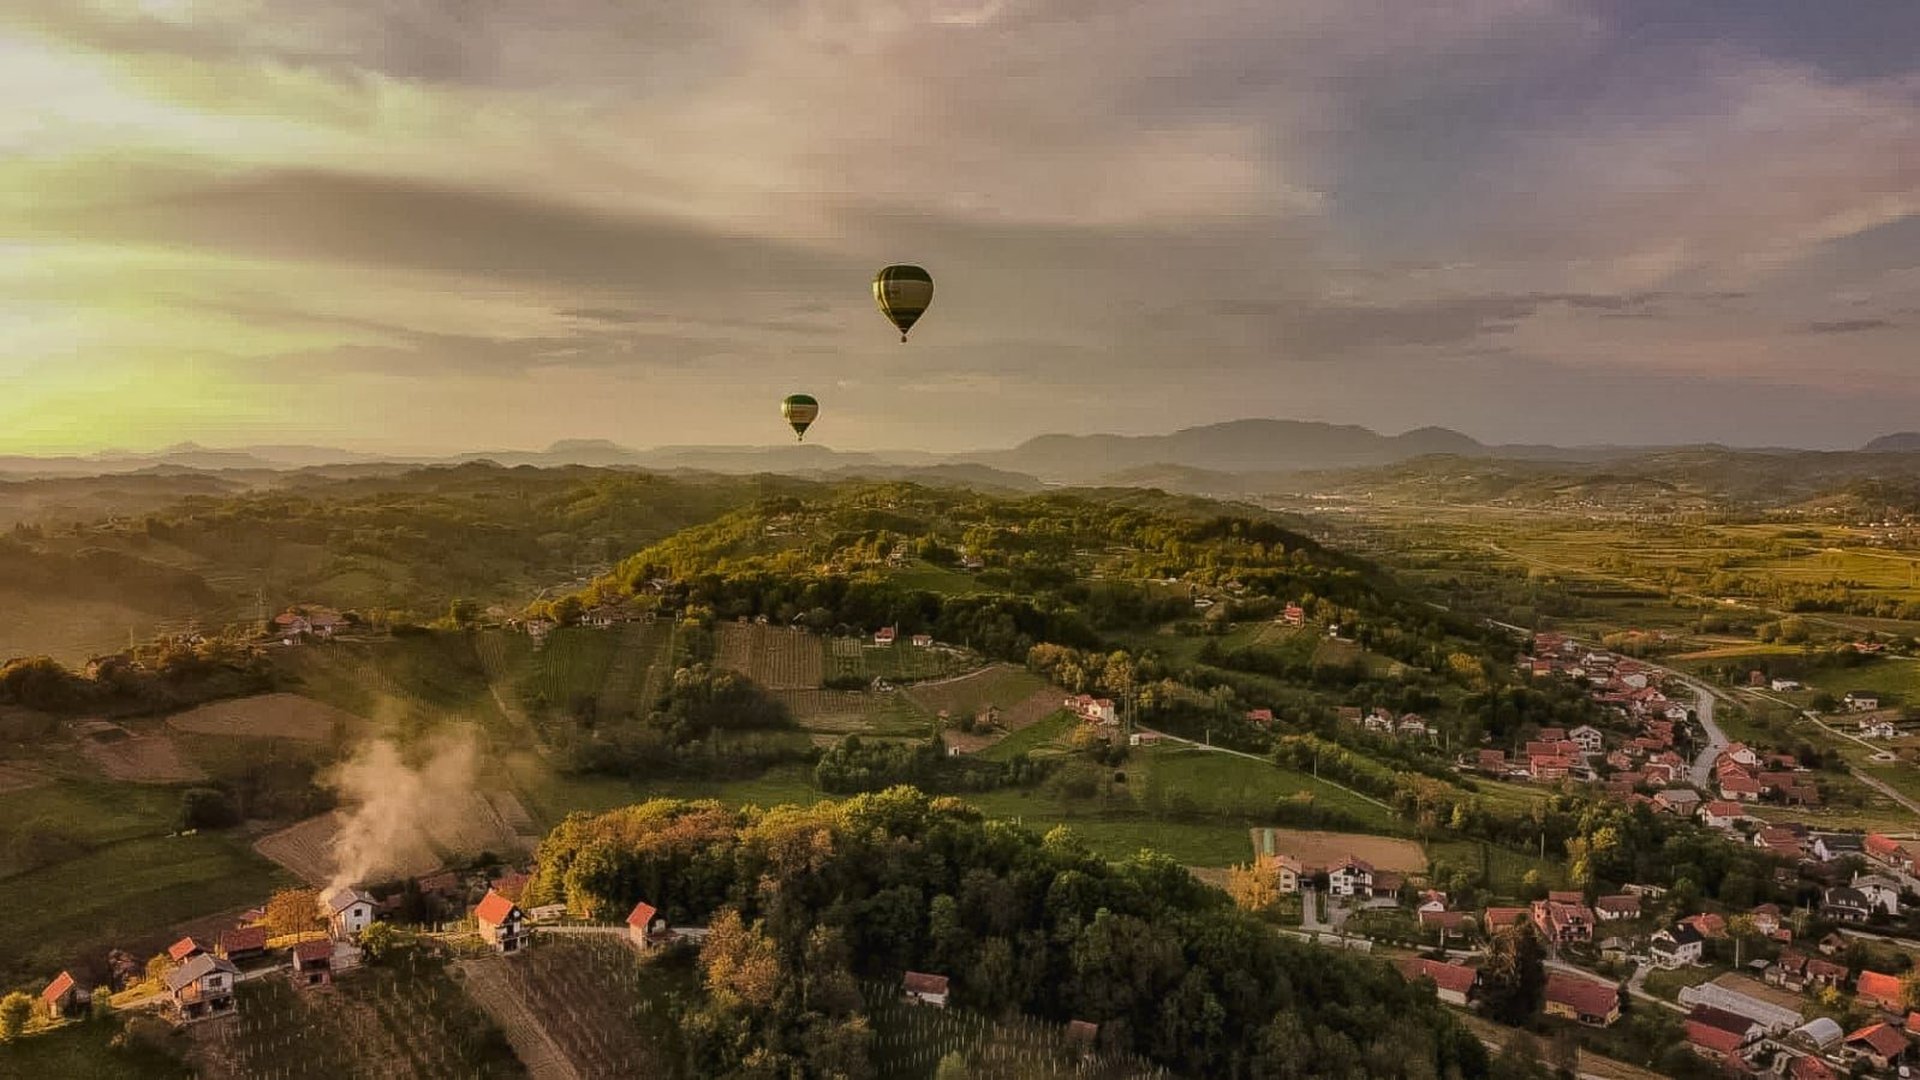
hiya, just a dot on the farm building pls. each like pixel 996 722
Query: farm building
pixel 63 997
pixel 202 987
pixel 884 636
pixel 1862 700
pixel 502 923
pixel 924 988
pixel 347 910
pixel 243 943
pixel 185 949
pixel 923 641
pixel 313 963
pixel 1595 1004
pixel 645 927
pixel 1453 983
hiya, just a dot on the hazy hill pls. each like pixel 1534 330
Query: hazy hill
pixel 1903 442
pixel 1238 446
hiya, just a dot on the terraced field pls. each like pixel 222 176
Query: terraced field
pixel 637 662
pixel 777 658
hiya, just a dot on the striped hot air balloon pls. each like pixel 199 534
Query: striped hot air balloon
pixel 800 411
pixel 903 293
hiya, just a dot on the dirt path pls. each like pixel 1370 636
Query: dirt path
pixel 487 984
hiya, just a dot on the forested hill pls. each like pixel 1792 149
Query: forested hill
pixel 803 903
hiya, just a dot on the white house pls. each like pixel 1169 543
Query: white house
pixel 1862 700
pixel 1882 893
pixel 1588 738
pixel 1286 872
pixel 1785 685
pixel 1351 878
pixel 347 911
pixel 1677 946
pixel 1878 729
pixel 502 923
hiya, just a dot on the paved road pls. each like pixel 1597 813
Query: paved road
pixel 1703 699
pixel 1871 781
pixel 1310 911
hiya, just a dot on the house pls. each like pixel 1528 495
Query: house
pixel 1615 949
pixel 1885 849
pixel 1491 761
pixel 1882 893
pixel 202 987
pixel 925 989
pixel 1779 841
pixel 1875 988
pixel 1862 700
pixel 1830 846
pixel 1721 813
pixel 1681 801
pixel 883 636
pixel 1448 923
pixel 1614 908
pixel 1708 924
pixel 1093 710
pixel 1833 944
pixel 644 926
pixel 1595 1004
pixel 1719 1035
pixel 1740 754
pixel 1801 973
pixel 1880 1045
pixel 1810 1067
pixel 313 963
pixel 1878 729
pixel 1768 922
pixel 1354 877
pixel 1676 946
pixel 1845 904
pixel 1293 614
pixel 502 923
pixel 1452 983
pixel 1497 918
pixel 63 998
pixel 1143 738
pixel 1262 717
pixel 347 911
pixel 1413 725
pixel 1785 686
pixel 243 943
pixel 185 949
pixel 1588 738
pixel 1546 768
pixel 1739 787
pixel 1287 871
pixel 1561 921
pixel 923 641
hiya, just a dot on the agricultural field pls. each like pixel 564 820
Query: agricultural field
pixel 777 658
pixel 408 685
pixel 935 579
pixel 1047 732
pixel 391 1022
pixel 122 892
pixel 139 759
pixel 306 848
pixel 1326 849
pixel 599 1005
pixel 268 716
pixel 844 712
pixel 1188 780
pixel 642 662
pixel 81 1051
pixel 1021 697
pixel 70 629
pixel 911 1039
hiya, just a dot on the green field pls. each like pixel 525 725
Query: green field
pixel 123 893
pixel 1032 737
pixel 935 579
pixel 410 684
pixel 85 813
pixel 1228 785
pixel 1896 678
pixel 80 1052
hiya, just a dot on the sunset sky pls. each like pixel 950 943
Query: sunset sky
pixel 466 224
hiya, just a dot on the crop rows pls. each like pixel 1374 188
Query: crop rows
pixel 590 995
pixel 910 1039
pixel 775 657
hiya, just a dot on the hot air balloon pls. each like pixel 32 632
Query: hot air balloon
pixel 800 411
pixel 903 293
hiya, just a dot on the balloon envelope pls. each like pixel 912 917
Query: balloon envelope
pixel 903 293
pixel 800 411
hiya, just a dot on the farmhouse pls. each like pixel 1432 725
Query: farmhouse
pixel 1830 846
pixel 1882 893
pixel 63 997
pixel 883 636
pixel 243 943
pixel 1453 983
pixel 1879 1045
pixel 1767 922
pixel 1563 921
pixel 925 989
pixel 202 987
pixel 1354 877
pixel 1093 710
pixel 923 641
pixel 1681 801
pixel 1493 762
pixel 1719 1035
pixel 1287 871
pixel 348 911
pixel 1497 918
pixel 1845 904
pixel 313 963
pixel 1592 1003
pixel 1874 988
pixel 1721 814
pixel 1889 851
pixel 1862 700
pixel 1676 946
pixel 502 923
pixel 1612 908
pixel 645 927
pixel 1798 972
pixel 1588 738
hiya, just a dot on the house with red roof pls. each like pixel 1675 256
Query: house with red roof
pixel 1614 908
pixel 1876 988
pixel 1497 918
pixel 243 943
pixel 1809 1068
pixel 185 949
pixel 1562 921
pixel 1719 1035
pixel 1722 813
pixel 63 997
pixel 645 927
pixel 924 988
pixel 1453 983
pixel 502 923
pixel 1595 1004
pixel 1879 1045
pixel 1709 924
pixel 313 963
pixel 884 636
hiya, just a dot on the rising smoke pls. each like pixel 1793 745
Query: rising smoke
pixel 393 809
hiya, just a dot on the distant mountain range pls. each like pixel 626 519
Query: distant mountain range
pixel 1220 458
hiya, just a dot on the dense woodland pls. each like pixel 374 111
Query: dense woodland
pixel 804 902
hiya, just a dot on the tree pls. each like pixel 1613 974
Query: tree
pixel 1253 888
pixel 953 1067
pixel 1742 929
pixel 293 911
pixel 206 808
pixel 1515 975
pixel 381 941
pixel 15 1009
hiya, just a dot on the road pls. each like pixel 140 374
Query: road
pixel 1703 699
pixel 1873 782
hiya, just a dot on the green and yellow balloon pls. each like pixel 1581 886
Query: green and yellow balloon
pixel 903 293
pixel 800 411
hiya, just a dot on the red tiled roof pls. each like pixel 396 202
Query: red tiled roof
pixel 1883 989
pixel 493 908
pixel 1588 998
pixel 1712 1038
pixel 308 952
pixel 1445 920
pixel 1456 977
pixel 920 983
pixel 1625 903
pixel 642 915
pixel 184 948
pixel 1809 1068
pixel 1567 897
pixel 1082 1030
pixel 243 939
pixel 61 983
pixel 1885 1040
pixel 1505 916
pixel 1913 1023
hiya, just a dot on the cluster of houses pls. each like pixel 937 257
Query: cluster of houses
pixel 1742 774
pixel 302 621
pixel 1383 722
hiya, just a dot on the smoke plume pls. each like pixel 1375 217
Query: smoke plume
pixel 394 810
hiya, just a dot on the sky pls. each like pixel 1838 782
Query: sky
pixel 439 225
